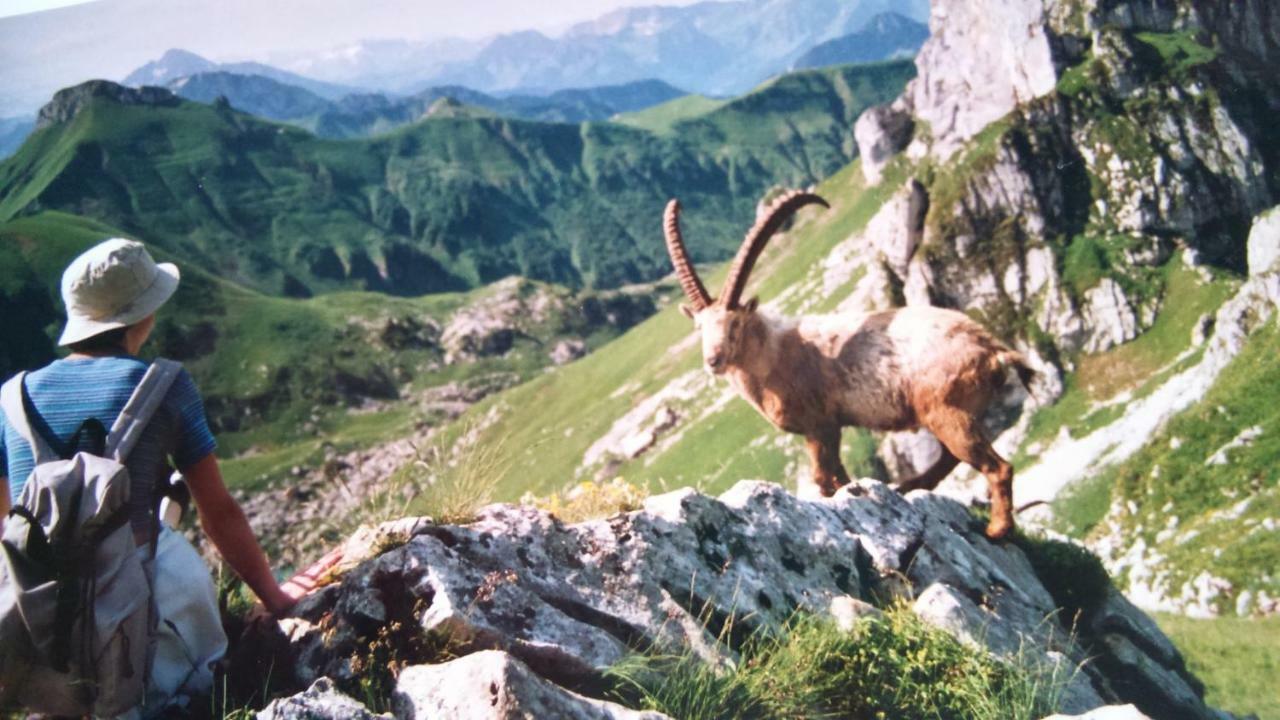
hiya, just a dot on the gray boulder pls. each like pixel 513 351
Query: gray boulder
pixel 688 572
pixel 493 685
pixel 321 701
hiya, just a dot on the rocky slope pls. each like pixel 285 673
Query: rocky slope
pixel 1064 158
pixel 534 612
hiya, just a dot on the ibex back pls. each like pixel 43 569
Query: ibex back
pixel 898 369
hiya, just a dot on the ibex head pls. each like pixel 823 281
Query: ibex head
pixel 722 320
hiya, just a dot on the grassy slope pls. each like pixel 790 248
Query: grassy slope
pixel 444 204
pixel 663 118
pixel 1238 659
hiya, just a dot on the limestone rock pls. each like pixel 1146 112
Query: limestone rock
pixel 881 131
pixel 569 601
pixel 566 351
pixel 321 701
pixel 1109 712
pixel 907 454
pixel 897 229
pixel 1109 316
pixel 67 103
pixel 493 685
pixel 982 59
pixel 1264 243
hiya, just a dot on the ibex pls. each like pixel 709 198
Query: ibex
pixel 897 369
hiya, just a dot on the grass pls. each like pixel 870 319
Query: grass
pixel 664 117
pixel 590 500
pixel 891 666
pixel 1180 52
pixel 1237 658
pixel 1205 517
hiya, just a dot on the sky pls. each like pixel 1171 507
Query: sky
pixel 22 7
pixel 474 18
pixel 43 51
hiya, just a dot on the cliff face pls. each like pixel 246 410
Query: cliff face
pixel 1045 127
pixel 68 102
pixel 529 603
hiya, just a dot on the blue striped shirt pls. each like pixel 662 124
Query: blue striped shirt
pixel 65 393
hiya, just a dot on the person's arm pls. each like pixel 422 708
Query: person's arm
pixel 4 500
pixel 225 524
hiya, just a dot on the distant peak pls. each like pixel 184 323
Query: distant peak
pixel 68 102
pixel 180 55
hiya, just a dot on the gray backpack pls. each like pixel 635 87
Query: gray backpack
pixel 77 620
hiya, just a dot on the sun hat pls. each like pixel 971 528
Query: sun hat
pixel 111 285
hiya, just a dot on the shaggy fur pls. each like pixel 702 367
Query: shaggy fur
pixel 899 369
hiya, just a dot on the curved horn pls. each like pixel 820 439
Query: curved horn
pixel 693 287
pixel 776 214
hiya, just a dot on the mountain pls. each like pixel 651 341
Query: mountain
pixel 887 35
pixel 717 48
pixel 13 132
pixel 366 115
pixel 177 64
pixel 443 204
pixel 254 94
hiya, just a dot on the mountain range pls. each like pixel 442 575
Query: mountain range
pixel 710 47
pixel 367 114
pixel 446 203
pixel 714 48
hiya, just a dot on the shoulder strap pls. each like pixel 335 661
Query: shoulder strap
pixel 140 408
pixel 11 401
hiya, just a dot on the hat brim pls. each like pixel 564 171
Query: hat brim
pixel 162 288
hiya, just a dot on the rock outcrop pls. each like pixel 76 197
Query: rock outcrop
pixel 66 103
pixel 1042 122
pixel 691 573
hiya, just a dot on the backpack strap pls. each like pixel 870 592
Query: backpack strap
pixel 140 408
pixel 12 402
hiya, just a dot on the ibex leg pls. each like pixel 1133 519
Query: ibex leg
pixel 824 452
pixel 930 478
pixel 963 435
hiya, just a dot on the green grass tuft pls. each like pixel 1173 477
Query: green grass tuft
pixel 892 666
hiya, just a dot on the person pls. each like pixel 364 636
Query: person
pixel 112 292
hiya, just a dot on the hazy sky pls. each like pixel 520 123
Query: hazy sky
pixel 22 7
pixel 70 42
pixel 472 18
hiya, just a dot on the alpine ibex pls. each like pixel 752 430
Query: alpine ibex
pixel 897 369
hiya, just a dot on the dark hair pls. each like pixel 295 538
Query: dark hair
pixel 109 340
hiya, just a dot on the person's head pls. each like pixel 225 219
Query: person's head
pixel 112 292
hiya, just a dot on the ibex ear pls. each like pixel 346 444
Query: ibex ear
pixel 687 310
pixel 750 305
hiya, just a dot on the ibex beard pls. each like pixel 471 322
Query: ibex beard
pixel 899 369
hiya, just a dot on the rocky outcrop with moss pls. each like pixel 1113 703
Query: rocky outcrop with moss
pixel 519 610
pixel 1068 148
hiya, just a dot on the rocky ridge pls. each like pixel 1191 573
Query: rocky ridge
pixel 67 103
pixel 538 610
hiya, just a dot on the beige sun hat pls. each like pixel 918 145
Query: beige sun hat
pixel 113 284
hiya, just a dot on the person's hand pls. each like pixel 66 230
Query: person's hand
pixel 307 580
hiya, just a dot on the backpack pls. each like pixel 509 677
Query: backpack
pixel 77 617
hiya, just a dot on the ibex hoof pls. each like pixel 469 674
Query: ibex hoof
pixel 999 529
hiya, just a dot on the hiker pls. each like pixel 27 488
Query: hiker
pixel 112 292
